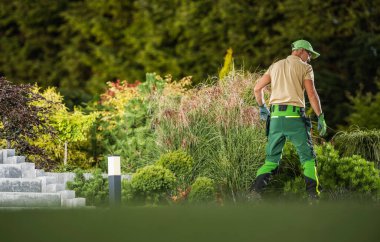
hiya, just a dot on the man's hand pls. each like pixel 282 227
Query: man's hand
pixel 322 124
pixel 264 112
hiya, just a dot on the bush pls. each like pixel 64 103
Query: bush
pixel 153 183
pixel 95 189
pixel 365 143
pixel 219 127
pixel 202 191
pixel 295 188
pixel 179 162
pixel 365 108
pixel 350 173
pixel 127 196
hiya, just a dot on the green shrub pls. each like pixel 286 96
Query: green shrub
pixel 202 191
pixel 127 195
pixel 178 162
pixel 351 173
pixel 126 124
pixel 153 183
pixel 365 108
pixel 95 189
pixel 295 188
pixel 365 143
pixel 218 126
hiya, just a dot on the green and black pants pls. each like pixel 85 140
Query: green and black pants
pixel 289 122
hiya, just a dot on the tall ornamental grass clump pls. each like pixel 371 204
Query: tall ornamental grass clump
pixel 365 143
pixel 219 126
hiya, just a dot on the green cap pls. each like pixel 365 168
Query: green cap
pixel 305 45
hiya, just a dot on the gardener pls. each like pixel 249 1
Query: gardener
pixel 289 78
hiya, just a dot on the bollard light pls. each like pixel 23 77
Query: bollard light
pixel 114 180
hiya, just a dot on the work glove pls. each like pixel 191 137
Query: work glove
pixel 264 112
pixel 322 124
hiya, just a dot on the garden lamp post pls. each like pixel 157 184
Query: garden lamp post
pixel 114 180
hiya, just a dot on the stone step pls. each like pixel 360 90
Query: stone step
pixel 29 199
pixel 74 202
pixel 67 194
pixel 20 185
pixel 22 170
pixel 40 172
pixel 62 178
pixel 14 160
pixel 55 188
pixel 5 153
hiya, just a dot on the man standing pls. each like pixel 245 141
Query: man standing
pixel 289 78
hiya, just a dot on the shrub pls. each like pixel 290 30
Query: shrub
pixel 365 143
pixel 127 193
pixel 95 189
pixel 202 191
pixel 153 183
pixel 218 128
pixel 21 119
pixel 295 188
pixel 179 162
pixel 351 173
pixel 365 108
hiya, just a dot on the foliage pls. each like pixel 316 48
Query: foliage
pixel 338 176
pixel 295 188
pixel 228 65
pixel 79 45
pixel 95 189
pixel 127 192
pixel 178 162
pixel 352 173
pixel 365 109
pixel 70 127
pixel 73 126
pixel 202 191
pixel 153 183
pixel 218 129
pixel 20 119
pixel 126 126
pixel 365 143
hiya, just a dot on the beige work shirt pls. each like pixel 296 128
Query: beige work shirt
pixel 287 81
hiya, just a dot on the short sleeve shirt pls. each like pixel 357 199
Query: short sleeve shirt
pixel 287 81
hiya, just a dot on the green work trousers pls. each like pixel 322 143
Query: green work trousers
pixel 289 123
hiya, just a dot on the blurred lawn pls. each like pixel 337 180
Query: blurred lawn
pixel 258 222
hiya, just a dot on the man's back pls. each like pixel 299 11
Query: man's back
pixel 287 77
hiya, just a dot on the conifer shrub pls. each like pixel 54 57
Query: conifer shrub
pixel 350 173
pixel 152 184
pixel 202 191
pixel 295 188
pixel 95 189
pixel 178 162
pixel 339 177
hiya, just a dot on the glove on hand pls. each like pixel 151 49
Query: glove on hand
pixel 322 124
pixel 264 112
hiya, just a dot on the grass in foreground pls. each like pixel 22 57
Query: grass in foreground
pixel 256 222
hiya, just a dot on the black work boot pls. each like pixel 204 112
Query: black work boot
pixel 258 186
pixel 312 190
pixel 261 182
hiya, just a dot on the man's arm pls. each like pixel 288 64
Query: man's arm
pixel 259 87
pixel 313 96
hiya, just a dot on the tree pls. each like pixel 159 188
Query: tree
pixel 20 119
pixel 72 127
